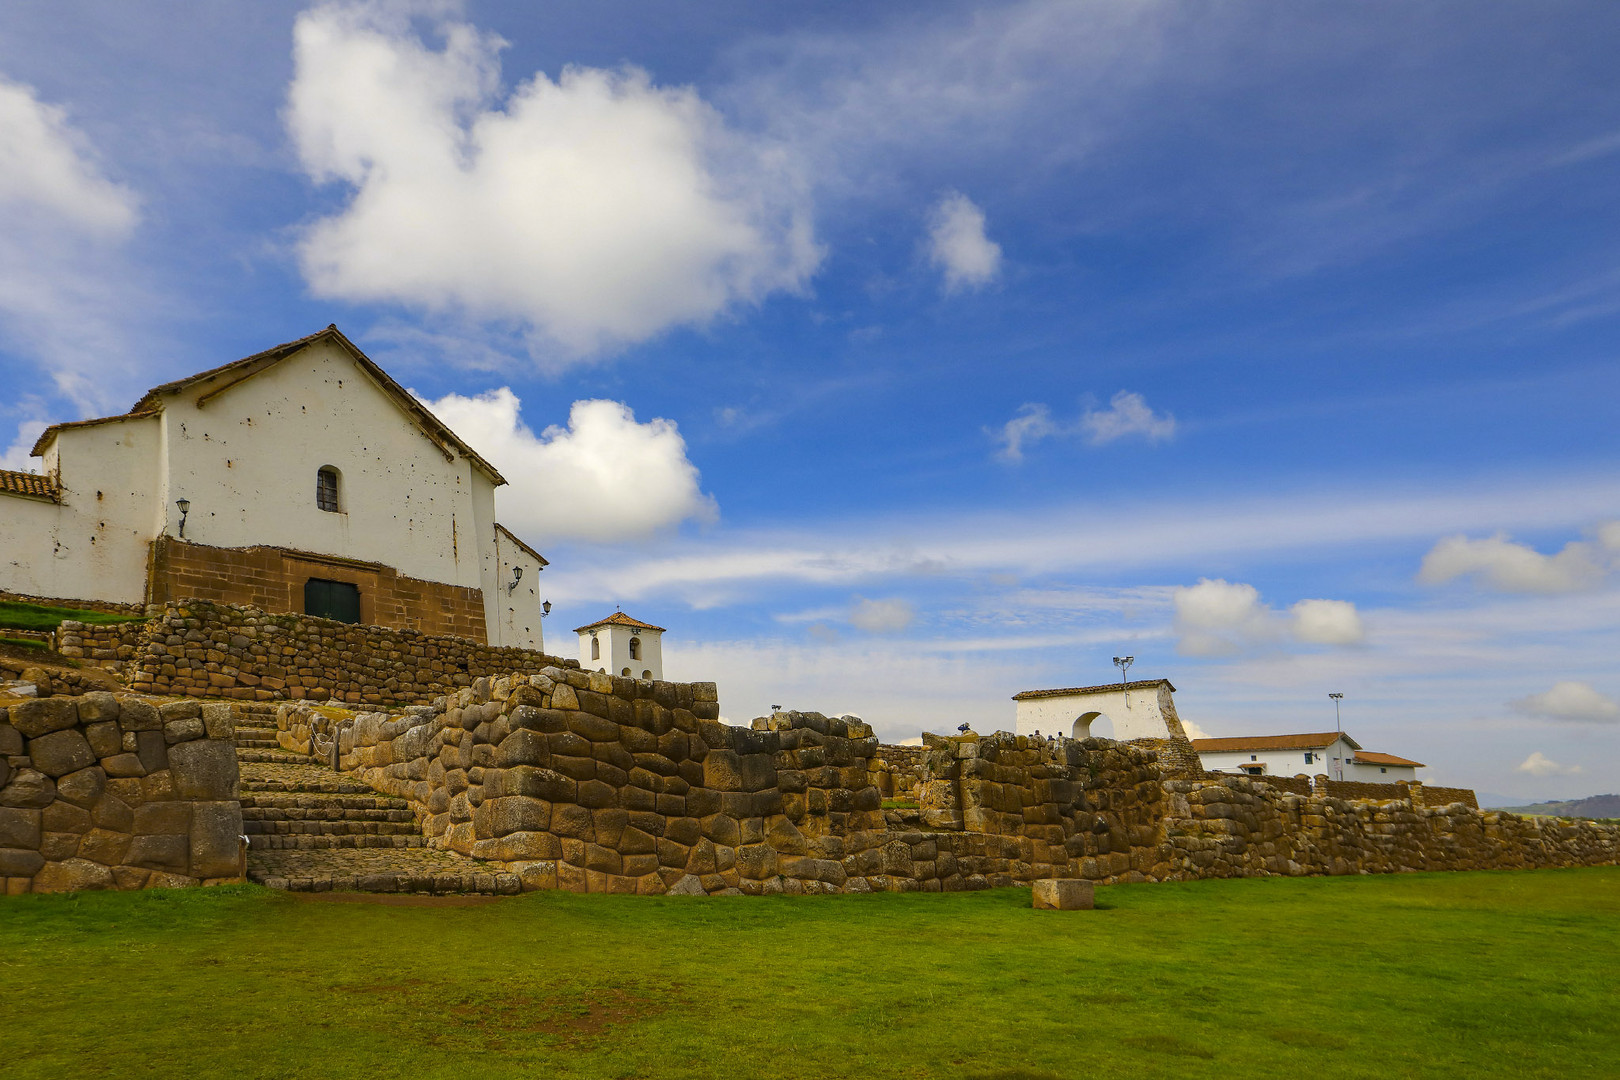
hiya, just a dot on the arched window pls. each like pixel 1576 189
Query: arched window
pixel 646 674
pixel 625 673
pixel 326 489
pixel 596 647
pixel 635 648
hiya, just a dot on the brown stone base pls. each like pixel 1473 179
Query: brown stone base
pixel 273 579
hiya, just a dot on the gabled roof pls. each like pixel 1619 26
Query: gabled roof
pixel 1273 742
pixel 29 484
pixel 152 401
pixel 618 618
pixel 1367 757
pixel 1139 684
pixel 541 559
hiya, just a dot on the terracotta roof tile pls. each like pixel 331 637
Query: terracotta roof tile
pixel 618 618
pixel 1367 757
pixel 31 484
pixel 1139 684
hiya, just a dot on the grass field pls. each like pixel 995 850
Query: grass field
pixel 1422 975
pixel 15 615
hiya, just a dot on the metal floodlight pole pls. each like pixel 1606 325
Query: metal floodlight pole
pixel 1338 724
pixel 1124 664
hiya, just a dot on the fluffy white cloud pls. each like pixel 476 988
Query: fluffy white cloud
pixel 1127 414
pixel 1218 618
pixel 1512 567
pixel 958 246
pixel 604 477
pixel 1539 764
pixel 596 209
pixel 48 166
pixel 881 616
pixel 66 299
pixel 16 455
pixel 1221 618
pixel 1327 622
pixel 1570 700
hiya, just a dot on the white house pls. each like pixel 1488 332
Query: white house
pixel 620 645
pixel 1143 709
pixel 1332 754
pixel 299 479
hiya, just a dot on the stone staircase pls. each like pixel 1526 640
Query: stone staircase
pixel 310 829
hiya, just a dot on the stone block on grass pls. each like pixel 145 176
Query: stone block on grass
pixel 1062 894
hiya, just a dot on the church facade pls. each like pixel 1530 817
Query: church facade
pixel 301 479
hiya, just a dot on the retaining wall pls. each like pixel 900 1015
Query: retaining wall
pixel 204 649
pixel 114 791
pixel 587 782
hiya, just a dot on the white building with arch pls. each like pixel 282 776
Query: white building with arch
pixel 620 645
pixel 1142 709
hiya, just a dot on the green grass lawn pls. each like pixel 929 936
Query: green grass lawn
pixel 1426 975
pixel 16 615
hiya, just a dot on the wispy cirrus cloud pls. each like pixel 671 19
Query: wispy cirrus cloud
pixel 1127 416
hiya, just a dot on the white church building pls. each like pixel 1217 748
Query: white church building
pixel 300 479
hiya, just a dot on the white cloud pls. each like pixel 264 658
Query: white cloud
pixel 65 296
pixel 1032 424
pixel 1512 567
pixel 1569 700
pixel 1127 414
pixel 48 166
pixel 596 209
pixel 1220 618
pixel 958 246
pixel 1328 622
pixel 604 477
pixel 881 616
pixel 1539 764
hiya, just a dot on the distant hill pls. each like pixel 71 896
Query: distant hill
pixel 1593 806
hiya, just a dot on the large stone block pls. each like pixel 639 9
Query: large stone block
pixel 219 720
pixel 216 829
pixel 105 846
pixel 509 814
pixel 41 716
pixel 167 852
pixel 105 738
pixel 11 740
pixel 63 816
pixel 82 788
pixel 204 769
pixel 20 862
pixel 61 752
pixel 523 747
pixel 1062 894
pixel 153 750
pixel 538 783
pixel 20 827
pixel 72 875
pixel 140 716
pixel 518 846
pixel 98 705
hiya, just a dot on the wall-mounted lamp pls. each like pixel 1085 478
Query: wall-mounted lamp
pixel 517 575
pixel 185 507
pixel 545 609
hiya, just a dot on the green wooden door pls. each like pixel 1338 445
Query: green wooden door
pixel 337 600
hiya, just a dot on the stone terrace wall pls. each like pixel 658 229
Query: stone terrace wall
pixel 1445 796
pixel 591 783
pixel 111 791
pixel 107 645
pixel 1356 789
pixel 897 770
pixel 204 649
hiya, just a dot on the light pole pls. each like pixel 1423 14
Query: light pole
pixel 1338 725
pixel 1124 664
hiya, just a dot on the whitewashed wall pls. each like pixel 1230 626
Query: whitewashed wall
pixel 1145 713
pixel 517 621
pixel 615 657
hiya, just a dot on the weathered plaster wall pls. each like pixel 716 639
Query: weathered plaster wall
pixel 247 460
pixel 1146 710
pixel 93 544
pixel 517 622
pixel 111 791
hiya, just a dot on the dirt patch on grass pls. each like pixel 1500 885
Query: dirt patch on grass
pixel 576 1019
pixel 394 899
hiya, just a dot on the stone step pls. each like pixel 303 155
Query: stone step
pixel 312 802
pixel 407 870
pixel 258 841
pixel 335 786
pixel 325 827
pixel 256 744
pixel 275 757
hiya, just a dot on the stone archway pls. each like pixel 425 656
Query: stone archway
pixel 1093 725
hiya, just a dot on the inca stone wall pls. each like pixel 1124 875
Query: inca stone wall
pixel 897 771
pixel 585 782
pixel 204 649
pixel 111 791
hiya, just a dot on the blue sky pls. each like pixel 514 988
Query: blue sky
pixel 900 362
